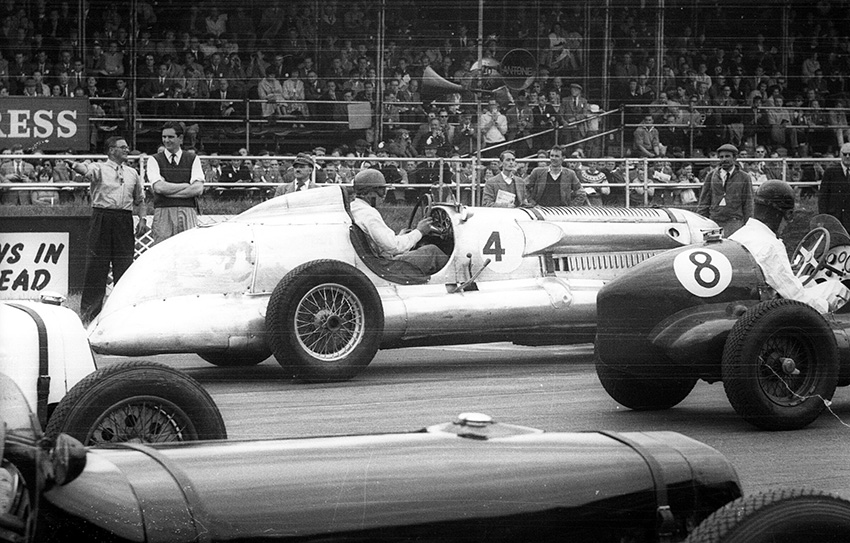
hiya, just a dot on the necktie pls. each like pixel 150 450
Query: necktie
pixel 119 175
pixel 173 160
pixel 723 175
pixel 18 168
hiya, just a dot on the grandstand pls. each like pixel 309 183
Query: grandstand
pixel 296 75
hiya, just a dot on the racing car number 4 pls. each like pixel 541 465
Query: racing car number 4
pixel 703 272
pixel 503 247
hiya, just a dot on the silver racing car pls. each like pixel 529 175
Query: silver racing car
pixel 294 277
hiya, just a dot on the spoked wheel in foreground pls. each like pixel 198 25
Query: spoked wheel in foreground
pixel 324 321
pixel 139 401
pixel 780 365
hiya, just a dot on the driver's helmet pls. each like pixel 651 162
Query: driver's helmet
pixel 369 179
pixel 776 194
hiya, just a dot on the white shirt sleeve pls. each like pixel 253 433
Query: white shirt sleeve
pixel 770 254
pixel 387 242
pixel 197 171
pixel 152 169
pixel 777 272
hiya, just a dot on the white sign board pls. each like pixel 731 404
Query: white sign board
pixel 33 262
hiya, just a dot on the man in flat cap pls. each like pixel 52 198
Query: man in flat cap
pixel 574 110
pixel 727 193
pixel 302 166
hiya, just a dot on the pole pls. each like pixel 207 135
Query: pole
pixel 480 71
pixel 379 92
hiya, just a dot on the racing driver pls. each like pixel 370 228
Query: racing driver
pixel 773 203
pixel 369 185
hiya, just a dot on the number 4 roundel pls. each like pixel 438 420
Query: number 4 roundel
pixel 503 247
pixel 703 272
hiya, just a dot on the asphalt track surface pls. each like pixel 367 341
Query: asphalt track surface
pixel 552 388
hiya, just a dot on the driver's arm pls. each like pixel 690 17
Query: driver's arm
pixel 387 241
pixel 773 261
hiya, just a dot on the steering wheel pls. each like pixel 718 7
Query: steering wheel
pixel 421 209
pixel 810 255
pixel 442 224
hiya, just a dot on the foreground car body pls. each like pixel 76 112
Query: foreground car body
pixel 706 312
pixel 45 350
pixel 294 278
pixel 471 479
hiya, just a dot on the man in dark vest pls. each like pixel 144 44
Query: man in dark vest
pixel 177 181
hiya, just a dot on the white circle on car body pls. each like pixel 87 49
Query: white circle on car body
pixel 703 272
pixel 504 246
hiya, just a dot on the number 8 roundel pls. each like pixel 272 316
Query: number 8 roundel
pixel 703 272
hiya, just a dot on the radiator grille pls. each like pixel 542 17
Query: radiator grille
pixel 600 263
pixel 608 214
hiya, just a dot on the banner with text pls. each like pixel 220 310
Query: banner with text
pixel 46 123
pixel 31 263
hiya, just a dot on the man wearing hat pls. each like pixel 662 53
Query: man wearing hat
pixel 574 109
pixel 369 186
pixel 774 202
pixel 302 167
pixel 727 193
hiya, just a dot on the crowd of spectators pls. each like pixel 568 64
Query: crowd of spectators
pixel 729 86
pixel 721 79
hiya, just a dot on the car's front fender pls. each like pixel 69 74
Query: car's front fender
pixel 694 337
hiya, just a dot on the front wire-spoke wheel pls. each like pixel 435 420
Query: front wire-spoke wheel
pixel 329 322
pixel 324 321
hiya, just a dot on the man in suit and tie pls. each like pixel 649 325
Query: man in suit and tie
pixel 573 110
pixel 429 171
pixel 505 189
pixel 65 88
pixel 42 64
pixel 65 64
pixel 834 195
pixel 230 100
pixel 78 74
pixel 303 168
pixel 17 171
pixel 158 87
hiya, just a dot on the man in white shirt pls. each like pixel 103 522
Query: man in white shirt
pixel 369 185
pixel 177 181
pixel 773 202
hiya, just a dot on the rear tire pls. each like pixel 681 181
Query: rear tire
pixel 643 393
pixel 324 321
pixel 137 401
pixel 779 516
pixel 780 365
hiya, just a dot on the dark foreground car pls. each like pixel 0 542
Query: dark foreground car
pixel 706 312
pixel 468 480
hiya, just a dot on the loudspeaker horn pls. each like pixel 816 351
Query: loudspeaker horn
pixel 434 84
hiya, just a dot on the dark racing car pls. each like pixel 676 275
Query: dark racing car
pixel 706 312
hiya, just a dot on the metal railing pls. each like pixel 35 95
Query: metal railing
pixel 640 183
